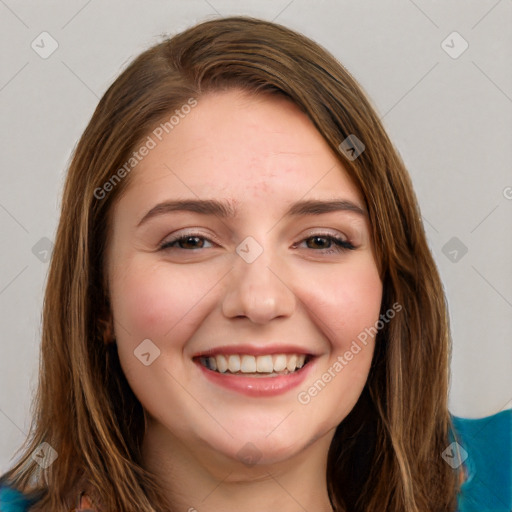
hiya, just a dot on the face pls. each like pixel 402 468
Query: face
pixel 237 325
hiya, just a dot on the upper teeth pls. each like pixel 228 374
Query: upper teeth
pixel 245 363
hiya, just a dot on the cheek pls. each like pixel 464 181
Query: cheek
pixel 348 303
pixel 159 303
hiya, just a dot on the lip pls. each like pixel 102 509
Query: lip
pixel 258 386
pixel 254 350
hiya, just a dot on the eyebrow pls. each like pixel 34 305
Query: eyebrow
pixel 225 209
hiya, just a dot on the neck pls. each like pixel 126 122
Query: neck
pixel 200 480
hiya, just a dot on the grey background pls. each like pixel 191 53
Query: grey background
pixel 450 119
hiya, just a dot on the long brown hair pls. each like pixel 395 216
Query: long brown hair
pixel 386 454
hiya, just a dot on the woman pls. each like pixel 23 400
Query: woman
pixel 242 311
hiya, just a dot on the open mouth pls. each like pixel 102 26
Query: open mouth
pixel 246 365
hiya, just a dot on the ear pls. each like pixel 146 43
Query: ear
pixel 106 324
pixel 107 330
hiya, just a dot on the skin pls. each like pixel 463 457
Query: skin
pixel 262 154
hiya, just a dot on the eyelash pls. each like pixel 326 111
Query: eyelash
pixel 341 244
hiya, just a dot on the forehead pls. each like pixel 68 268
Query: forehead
pixel 233 142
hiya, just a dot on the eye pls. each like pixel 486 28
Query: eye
pixel 191 241
pixel 328 243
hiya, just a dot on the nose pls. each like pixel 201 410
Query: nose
pixel 258 291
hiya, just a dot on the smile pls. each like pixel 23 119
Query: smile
pixel 268 365
pixel 255 374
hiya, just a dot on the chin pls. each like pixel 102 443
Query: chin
pixel 255 448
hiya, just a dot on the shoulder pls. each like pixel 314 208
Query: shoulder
pixel 483 446
pixel 12 500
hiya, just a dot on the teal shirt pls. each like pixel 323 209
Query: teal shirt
pixel 485 444
pixel 12 500
pixel 488 443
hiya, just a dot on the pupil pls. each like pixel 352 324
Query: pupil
pixel 318 240
pixel 191 240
